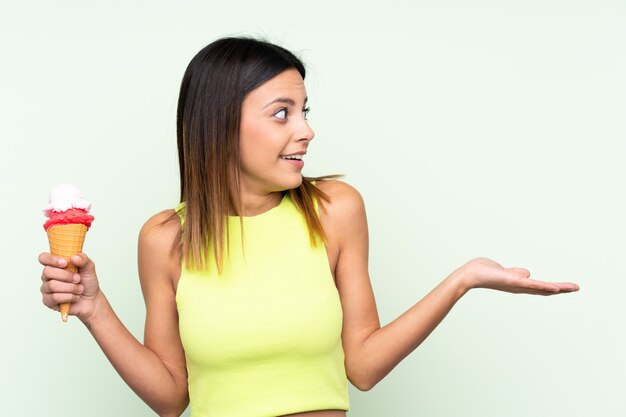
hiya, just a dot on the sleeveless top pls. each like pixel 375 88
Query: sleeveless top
pixel 263 338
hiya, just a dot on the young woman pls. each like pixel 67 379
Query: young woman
pixel 256 286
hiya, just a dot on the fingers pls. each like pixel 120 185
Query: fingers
pixel 51 287
pixel 54 267
pixel 541 287
pixel 554 287
pixel 530 286
pixel 567 286
pixel 58 285
pixel 55 291
pixel 523 272
pixel 52 273
pixel 47 259
pixel 53 300
pixel 544 287
pixel 83 262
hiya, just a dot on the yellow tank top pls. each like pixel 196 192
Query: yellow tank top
pixel 263 338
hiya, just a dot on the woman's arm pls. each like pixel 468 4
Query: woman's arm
pixel 155 370
pixel 373 351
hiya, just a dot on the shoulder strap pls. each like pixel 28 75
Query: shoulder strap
pixel 180 210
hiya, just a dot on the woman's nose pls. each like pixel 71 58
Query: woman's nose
pixel 305 132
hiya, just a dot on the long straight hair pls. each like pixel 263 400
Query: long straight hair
pixel 212 91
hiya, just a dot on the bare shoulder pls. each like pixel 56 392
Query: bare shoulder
pixel 342 195
pixel 345 212
pixel 155 258
pixel 160 230
pixel 345 200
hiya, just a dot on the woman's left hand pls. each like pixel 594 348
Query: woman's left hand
pixel 485 273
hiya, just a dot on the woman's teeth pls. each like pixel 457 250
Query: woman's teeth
pixel 299 157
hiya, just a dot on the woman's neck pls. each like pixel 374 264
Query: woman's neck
pixel 255 204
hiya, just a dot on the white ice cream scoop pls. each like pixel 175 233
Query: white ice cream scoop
pixel 64 197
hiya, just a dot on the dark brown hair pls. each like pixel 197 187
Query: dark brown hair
pixel 212 91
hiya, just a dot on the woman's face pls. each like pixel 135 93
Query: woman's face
pixel 274 127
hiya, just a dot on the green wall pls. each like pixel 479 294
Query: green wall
pixel 471 129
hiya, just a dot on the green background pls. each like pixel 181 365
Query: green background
pixel 482 128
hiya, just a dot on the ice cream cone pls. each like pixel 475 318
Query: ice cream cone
pixel 66 240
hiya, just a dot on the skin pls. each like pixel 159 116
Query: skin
pixel 156 370
pixel 269 130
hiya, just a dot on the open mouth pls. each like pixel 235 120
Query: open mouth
pixel 292 157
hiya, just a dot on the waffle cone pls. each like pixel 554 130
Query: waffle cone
pixel 66 240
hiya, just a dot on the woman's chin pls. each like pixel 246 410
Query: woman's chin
pixel 292 183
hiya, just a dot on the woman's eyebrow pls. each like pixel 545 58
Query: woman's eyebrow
pixel 284 100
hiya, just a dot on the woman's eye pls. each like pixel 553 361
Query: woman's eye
pixel 281 114
pixel 305 112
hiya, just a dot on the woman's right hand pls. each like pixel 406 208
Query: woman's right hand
pixel 61 286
